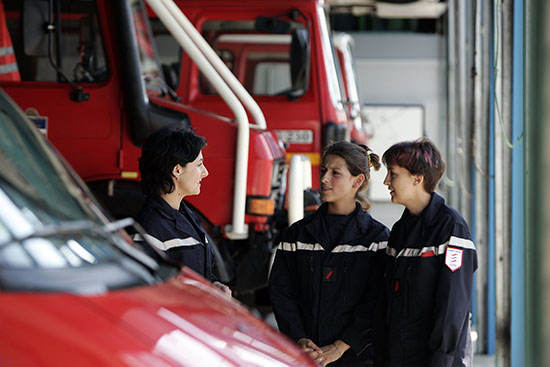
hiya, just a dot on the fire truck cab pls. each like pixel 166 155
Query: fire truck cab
pixel 91 80
pixel 281 51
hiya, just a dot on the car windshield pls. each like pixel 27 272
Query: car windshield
pixel 53 237
pixel 27 169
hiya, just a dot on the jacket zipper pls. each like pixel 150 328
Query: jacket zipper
pixel 408 294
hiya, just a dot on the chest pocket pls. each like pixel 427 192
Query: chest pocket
pixel 417 283
pixel 403 284
pixel 305 270
pixel 355 277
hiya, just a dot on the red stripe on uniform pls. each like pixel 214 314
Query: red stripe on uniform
pixel 428 254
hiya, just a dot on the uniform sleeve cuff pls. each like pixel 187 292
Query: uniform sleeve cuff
pixel 357 342
pixel 441 360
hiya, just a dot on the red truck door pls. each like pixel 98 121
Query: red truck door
pixel 87 132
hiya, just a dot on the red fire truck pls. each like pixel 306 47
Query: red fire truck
pixel 91 80
pixel 281 51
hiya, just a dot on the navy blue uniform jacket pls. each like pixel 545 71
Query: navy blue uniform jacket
pixel 428 289
pixel 179 233
pixel 329 295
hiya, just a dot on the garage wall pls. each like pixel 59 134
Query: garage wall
pixel 403 69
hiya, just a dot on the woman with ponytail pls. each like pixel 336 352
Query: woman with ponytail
pixel 327 270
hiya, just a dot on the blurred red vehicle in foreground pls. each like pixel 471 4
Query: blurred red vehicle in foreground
pixel 74 290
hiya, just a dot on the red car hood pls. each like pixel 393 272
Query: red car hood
pixel 183 322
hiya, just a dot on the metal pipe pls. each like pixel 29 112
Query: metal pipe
pixel 299 179
pixel 238 229
pixel 462 130
pixel 219 65
pixel 503 158
pixel 537 151
pixel 450 177
pixel 491 327
pixel 480 171
pixel 295 189
pixel 498 180
pixel 307 172
pixel 517 331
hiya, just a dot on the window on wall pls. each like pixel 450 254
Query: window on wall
pixel 77 47
pixel 390 124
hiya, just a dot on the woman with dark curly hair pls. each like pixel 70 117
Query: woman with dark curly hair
pixel 172 168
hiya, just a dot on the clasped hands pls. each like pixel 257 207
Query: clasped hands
pixel 323 355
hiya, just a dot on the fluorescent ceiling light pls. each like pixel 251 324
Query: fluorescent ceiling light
pixel 432 9
pixel 416 10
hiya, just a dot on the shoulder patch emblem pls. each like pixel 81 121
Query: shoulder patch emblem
pixel 453 258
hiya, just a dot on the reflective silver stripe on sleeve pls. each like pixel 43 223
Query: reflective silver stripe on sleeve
pixel 461 242
pixel 380 246
pixel 286 246
pixel 166 245
pixel 295 246
pixel 437 250
pixel 375 246
pixel 416 252
pixel 409 252
pixel 309 246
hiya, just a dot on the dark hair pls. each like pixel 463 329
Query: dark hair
pixel 161 152
pixel 359 158
pixel 419 157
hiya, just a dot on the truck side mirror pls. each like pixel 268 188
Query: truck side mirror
pixel 299 61
pixel 35 19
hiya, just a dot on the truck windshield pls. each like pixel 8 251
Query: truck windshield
pixel 77 48
pixel 51 232
pixel 150 67
pixel 261 61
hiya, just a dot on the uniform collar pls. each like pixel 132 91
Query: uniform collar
pixel 407 232
pixel 357 227
pixel 434 207
pixel 162 207
pixel 430 212
pixel 179 217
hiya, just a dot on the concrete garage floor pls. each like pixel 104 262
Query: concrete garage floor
pixel 484 360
